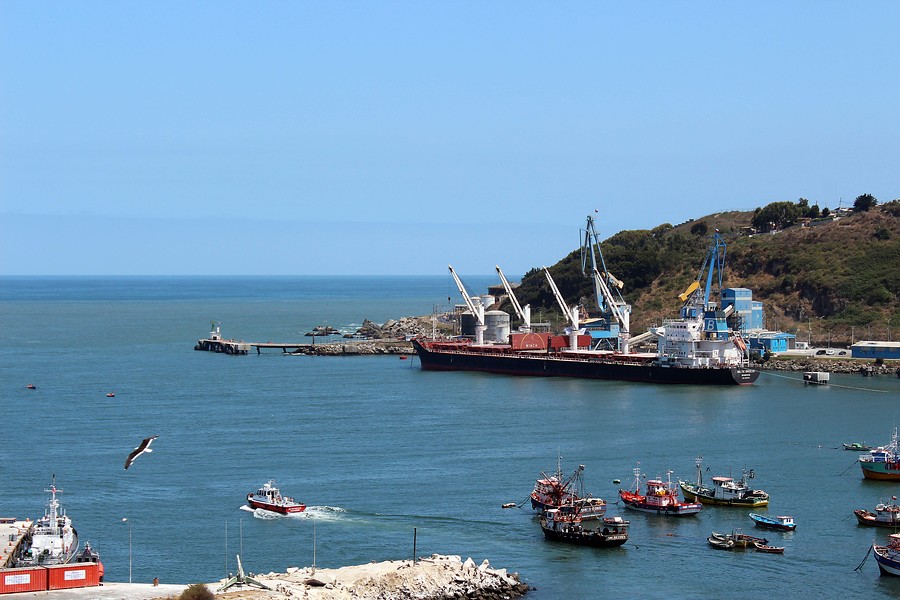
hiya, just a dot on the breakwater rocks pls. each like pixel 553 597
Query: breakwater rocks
pixel 435 578
pixel 866 367
pixel 356 347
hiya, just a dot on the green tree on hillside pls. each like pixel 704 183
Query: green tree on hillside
pixel 864 202
pixel 777 215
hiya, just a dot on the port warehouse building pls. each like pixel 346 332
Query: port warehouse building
pixel 873 350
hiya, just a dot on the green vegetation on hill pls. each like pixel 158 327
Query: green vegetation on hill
pixel 832 279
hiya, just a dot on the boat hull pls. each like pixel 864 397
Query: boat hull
pixel 767 524
pixel 595 539
pixel 880 471
pixel 749 502
pixel 888 562
pixel 865 517
pixel 277 508
pixel 680 509
pixel 561 365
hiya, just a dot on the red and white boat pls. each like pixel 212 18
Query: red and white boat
pixel 554 491
pixel 268 497
pixel 661 497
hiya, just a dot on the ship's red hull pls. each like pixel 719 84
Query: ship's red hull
pixel 278 508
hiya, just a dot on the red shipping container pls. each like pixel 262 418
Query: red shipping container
pixel 24 579
pixel 75 575
pixel 529 341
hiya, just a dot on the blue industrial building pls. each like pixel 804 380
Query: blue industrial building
pixel 883 350
pixel 747 314
pixel 770 341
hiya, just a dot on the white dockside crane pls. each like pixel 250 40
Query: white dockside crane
pixel 477 309
pixel 570 312
pixel 524 313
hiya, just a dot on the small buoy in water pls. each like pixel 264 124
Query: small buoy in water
pixel 616 481
pixel 509 505
pixel 402 357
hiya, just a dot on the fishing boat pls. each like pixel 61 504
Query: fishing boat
pixel 52 540
pixel 567 527
pixel 857 447
pixel 268 497
pixel 739 540
pixel 557 491
pixel 883 462
pixel 769 549
pixel 699 347
pixel 661 497
pixel 725 491
pixel 781 523
pixel 888 556
pixel 886 514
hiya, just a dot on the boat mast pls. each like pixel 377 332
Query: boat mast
pixel 54 505
pixel 699 461
pixel 637 478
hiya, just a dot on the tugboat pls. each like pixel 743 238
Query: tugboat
pixel 888 557
pixel 269 497
pixel 553 491
pixel 883 462
pixel 566 527
pixel 661 497
pixel 725 491
pixel 53 540
pixel 885 515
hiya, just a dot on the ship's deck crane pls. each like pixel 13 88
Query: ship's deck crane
pixel 714 263
pixel 477 310
pixel 606 287
pixel 524 313
pixel 570 312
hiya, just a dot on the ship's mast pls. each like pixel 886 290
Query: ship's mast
pixel 53 513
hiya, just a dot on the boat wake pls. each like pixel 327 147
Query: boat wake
pixel 319 513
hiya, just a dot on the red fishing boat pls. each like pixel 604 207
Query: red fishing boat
pixel 555 491
pixel 269 497
pixel 661 497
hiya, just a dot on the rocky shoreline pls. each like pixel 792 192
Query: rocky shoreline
pixel 438 577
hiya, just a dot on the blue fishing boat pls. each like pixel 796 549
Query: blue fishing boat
pixel 888 557
pixel 782 523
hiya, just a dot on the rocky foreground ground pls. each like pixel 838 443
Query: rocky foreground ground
pixel 435 578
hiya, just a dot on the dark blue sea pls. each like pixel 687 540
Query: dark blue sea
pixel 379 449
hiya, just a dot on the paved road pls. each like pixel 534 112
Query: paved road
pixel 108 591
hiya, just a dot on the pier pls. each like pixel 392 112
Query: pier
pixel 216 343
pixel 12 534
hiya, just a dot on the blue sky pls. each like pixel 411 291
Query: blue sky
pixel 297 138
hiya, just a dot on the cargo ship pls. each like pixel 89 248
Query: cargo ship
pixel 699 347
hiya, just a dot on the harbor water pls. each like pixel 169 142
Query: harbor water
pixel 387 456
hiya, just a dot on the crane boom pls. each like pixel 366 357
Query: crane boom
pixel 477 311
pixel 571 313
pixel 524 313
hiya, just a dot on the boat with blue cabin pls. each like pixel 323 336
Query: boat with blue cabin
pixel 782 523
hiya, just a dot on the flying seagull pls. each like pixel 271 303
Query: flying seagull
pixel 143 447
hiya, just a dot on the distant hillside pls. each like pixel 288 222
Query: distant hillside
pixel 838 278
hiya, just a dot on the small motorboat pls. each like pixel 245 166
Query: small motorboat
pixel 269 497
pixel 509 505
pixel 402 357
pixel 31 386
pixel 769 549
pixel 782 523
pixel 110 394
pixel 857 447
pixel 739 540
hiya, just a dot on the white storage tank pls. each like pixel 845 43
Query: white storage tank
pixel 497 324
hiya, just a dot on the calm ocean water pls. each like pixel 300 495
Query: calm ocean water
pixel 378 448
